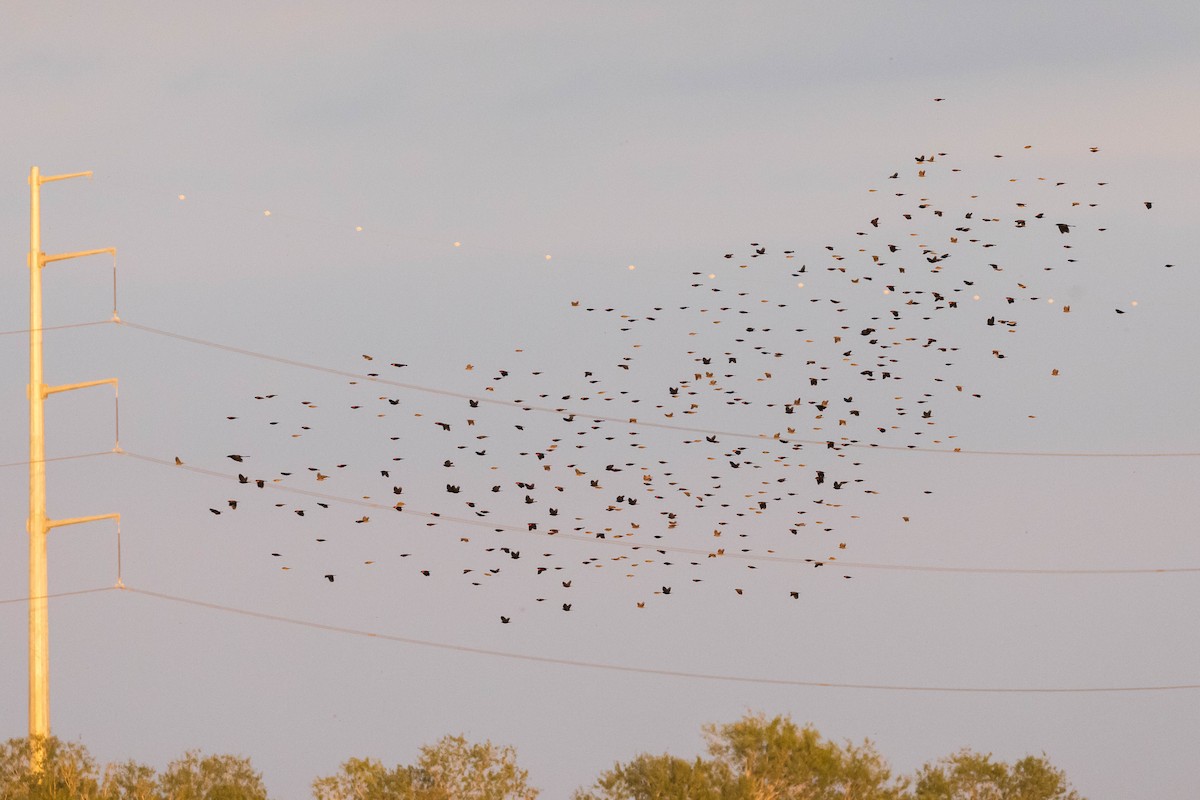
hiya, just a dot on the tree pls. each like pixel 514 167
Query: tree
pixel 451 769
pixel 68 771
pixel 663 777
pixel 366 779
pixel 455 769
pixel 218 777
pixel 974 776
pixel 773 759
pixel 756 758
pixel 129 781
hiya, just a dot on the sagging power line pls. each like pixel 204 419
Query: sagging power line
pixel 637 423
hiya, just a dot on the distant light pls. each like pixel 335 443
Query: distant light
pixel 458 244
pixel 711 276
pixel 1049 299
pixel 885 291
pixel 976 297
pixel 1134 303
pixel 547 256
pixel 633 266
pixel 183 197
pixel 358 228
pixel 801 286
pixel 266 213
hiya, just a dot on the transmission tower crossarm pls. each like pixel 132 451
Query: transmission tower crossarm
pixel 58 523
pixel 67 387
pixel 45 259
pixel 48 178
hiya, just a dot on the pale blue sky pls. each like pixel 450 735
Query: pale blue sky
pixel 604 135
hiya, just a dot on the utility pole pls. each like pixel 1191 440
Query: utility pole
pixel 39 524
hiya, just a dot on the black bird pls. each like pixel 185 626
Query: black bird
pixel 329 578
pixel 235 457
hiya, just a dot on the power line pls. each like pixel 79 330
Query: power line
pixel 58 594
pixel 651 670
pixel 661 548
pixel 60 327
pixel 61 458
pixel 761 437
pixel 727 678
pixel 569 662
pixel 634 545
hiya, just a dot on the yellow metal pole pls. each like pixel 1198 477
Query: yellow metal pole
pixel 39 621
pixel 38 525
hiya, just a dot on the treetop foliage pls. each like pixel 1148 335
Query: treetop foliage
pixel 972 776
pixel 754 758
pixel 451 769
pixel 69 773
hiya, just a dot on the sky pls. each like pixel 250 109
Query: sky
pixel 444 183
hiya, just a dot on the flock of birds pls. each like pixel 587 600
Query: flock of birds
pixel 773 382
